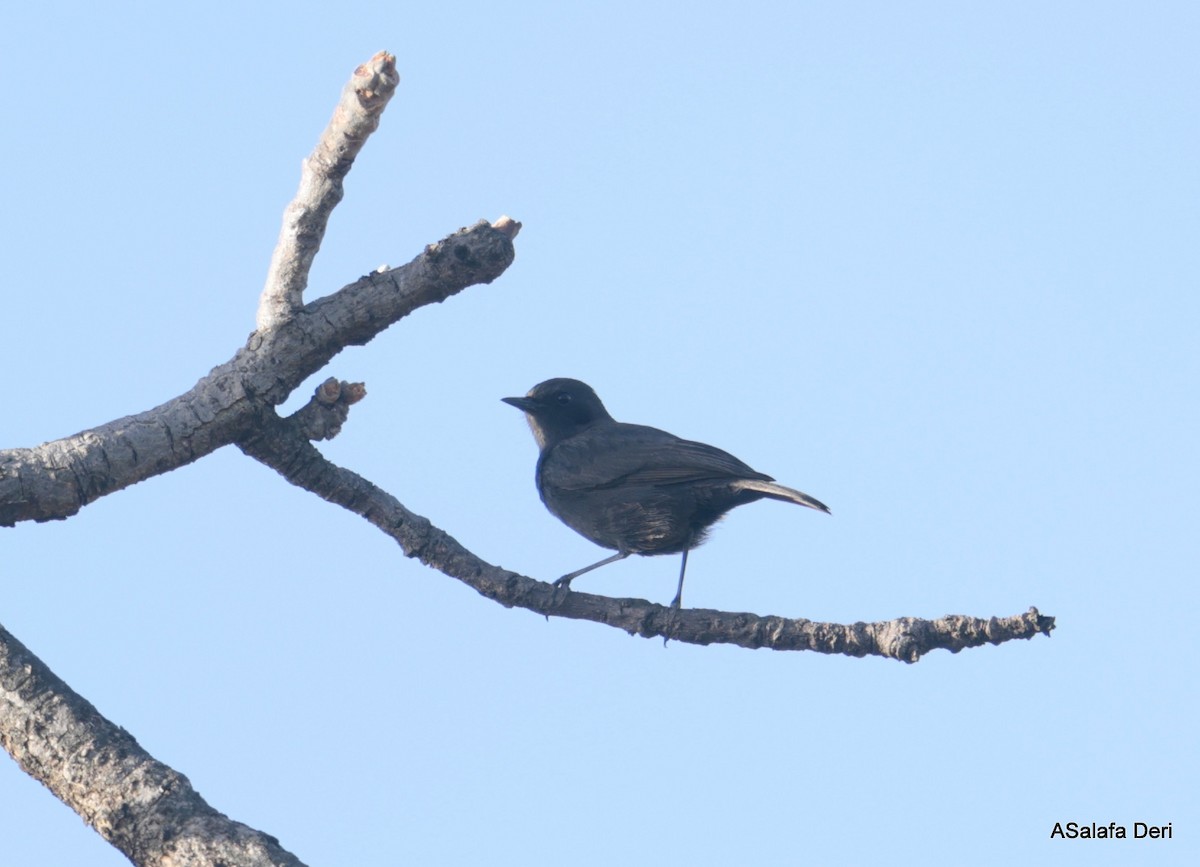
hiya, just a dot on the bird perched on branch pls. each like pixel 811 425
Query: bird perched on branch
pixel 632 488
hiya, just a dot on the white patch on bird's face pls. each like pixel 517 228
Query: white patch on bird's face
pixel 538 433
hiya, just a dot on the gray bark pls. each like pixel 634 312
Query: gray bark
pixel 144 808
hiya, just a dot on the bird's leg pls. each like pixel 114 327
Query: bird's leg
pixel 565 581
pixel 678 600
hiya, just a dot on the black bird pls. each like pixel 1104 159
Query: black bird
pixel 632 488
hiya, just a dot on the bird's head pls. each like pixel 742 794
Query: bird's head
pixel 559 408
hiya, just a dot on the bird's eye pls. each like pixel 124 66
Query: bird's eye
pixel 563 398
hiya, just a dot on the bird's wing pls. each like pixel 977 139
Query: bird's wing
pixel 625 454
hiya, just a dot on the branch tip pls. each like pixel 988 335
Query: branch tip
pixel 305 219
pixel 507 226
pixel 380 77
pixel 328 391
pixel 333 390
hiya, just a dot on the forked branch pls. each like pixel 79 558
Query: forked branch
pixel 144 808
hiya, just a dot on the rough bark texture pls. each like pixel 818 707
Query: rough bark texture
pixel 149 811
pixel 283 446
pixel 357 115
pixel 144 808
pixel 56 479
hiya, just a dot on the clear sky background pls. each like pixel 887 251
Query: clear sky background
pixel 933 263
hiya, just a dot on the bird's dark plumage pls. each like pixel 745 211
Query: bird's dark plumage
pixel 632 488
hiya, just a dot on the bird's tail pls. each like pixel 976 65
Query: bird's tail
pixel 782 492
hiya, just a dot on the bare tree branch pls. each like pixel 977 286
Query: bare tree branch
pixel 282 445
pixel 357 115
pixel 147 810
pixel 56 479
pixel 139 805
pixel 144 808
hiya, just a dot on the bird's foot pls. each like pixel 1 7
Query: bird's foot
pixel 672 616
pixel 562 587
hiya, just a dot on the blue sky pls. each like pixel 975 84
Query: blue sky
pixel 933 263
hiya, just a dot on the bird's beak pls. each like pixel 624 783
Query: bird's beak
pixel 524 404
pixel 529 406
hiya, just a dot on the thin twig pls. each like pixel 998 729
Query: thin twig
pixel 307 215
